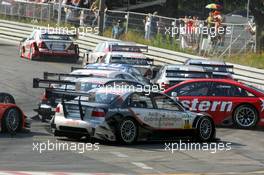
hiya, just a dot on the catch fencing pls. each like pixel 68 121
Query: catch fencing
pixel 237 39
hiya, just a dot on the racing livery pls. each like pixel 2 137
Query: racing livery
pixel 12 118
pixel 226 101
pixel 127 116
pixel 47 44
pixel 106 47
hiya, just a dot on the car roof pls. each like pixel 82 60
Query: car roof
pixel 127 54
pixel 231 81
pixel 110 66
pixel 97 72
pixel 206 62
pixel 184 68
pixel 100 80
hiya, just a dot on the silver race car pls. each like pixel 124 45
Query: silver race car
pixel 126 115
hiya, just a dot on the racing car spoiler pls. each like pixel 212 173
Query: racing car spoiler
pixel 73 94
pixel 128 48
pixel 177 73
pixel 214 65
pixel 59 76
pixel 39 83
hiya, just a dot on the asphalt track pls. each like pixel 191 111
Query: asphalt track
pixel 17 152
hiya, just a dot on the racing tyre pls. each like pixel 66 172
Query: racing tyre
pixel 6 98
pixel 205 130
pixel 12 120
pixel 127 131
pixel 245 116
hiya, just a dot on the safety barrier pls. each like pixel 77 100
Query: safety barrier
pixel 16 31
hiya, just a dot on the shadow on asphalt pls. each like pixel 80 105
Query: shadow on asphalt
pixel 22 134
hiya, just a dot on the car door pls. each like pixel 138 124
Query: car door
pixel 171 115
pixel 224 98
pixel 141 107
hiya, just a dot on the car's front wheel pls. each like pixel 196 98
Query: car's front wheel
pixel 12 120
pixel 205 130
pixel 127 131
pixel 245 117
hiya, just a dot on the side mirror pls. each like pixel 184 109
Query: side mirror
pixel 174 94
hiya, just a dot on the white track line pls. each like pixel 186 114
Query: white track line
pixel 142 165
pixel 119 154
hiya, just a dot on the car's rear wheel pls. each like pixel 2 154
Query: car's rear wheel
pixel 6 98
pixel 205 130
pixel 245 116
pixel 12 120
pixel 127 131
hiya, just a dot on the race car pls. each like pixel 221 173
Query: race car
pixel 170 75
pixel 127 116
pixel 111 47
pixel 219 69
pixel 118 67
pixel 49 101
pixel 226 101
pixel 12 118
pixel 44 44
pixel 140 61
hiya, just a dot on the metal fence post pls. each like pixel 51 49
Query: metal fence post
pixel 59 13
pixel 127 21
pixel 231 40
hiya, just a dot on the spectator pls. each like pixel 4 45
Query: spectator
pixel 154 23
pixel 147 22
pixel 117 30
pixel 210 20
pixel 95 9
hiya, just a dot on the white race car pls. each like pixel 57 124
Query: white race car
pixel 127 116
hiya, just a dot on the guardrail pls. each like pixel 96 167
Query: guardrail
pixel 16 31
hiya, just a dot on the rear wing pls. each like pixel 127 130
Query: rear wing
pixel 133 61
pixel 79 101
pixel 183 73
pixel 74 36
pixel 76 68
pixel 93 68
pixel 128 48
pixel 42 83
pixel 60 76
pixel 228 67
